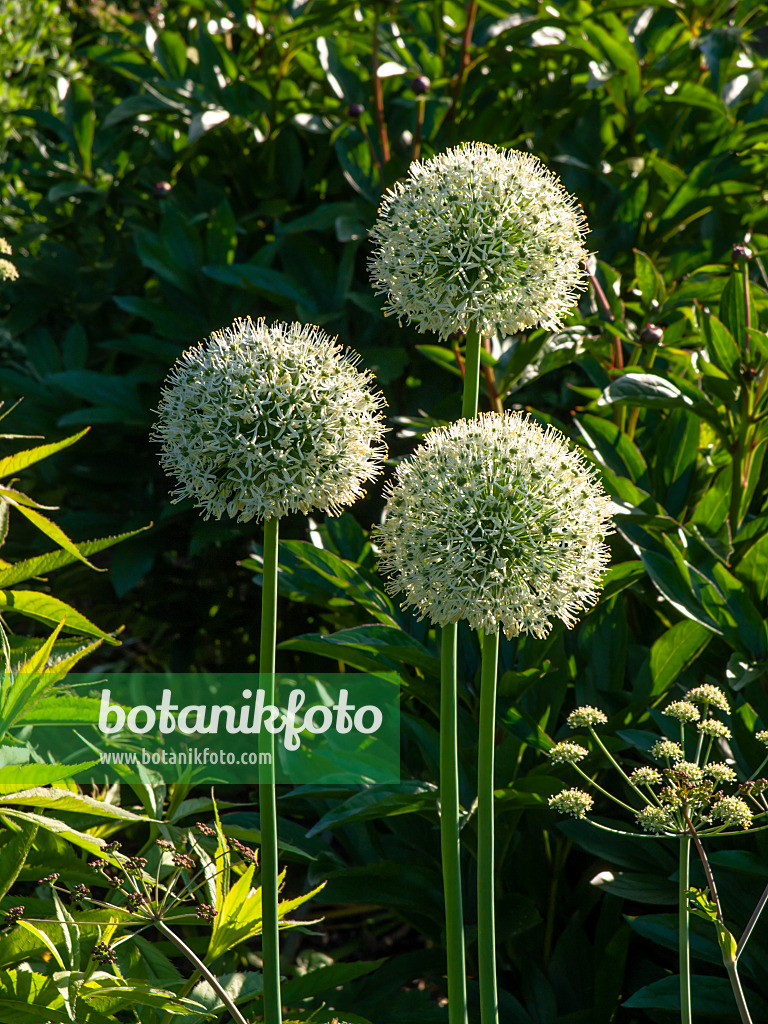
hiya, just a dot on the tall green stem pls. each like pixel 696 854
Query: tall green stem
pixel 683 923
pixel 267 804
pixel 450 842
pixel 449 830
pixel 486 918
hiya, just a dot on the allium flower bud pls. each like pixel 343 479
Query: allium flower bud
pixel 479 237
pixel 566 753
pixel 586 716
pixel 708 694
pixel 683 710
pixel 262 421
pixel 495 520
pixel 572 801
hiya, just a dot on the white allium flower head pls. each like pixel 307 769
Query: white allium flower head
pixel 566 753
pixel 586 715
pixel 261 421
pixel 479 236
pixel 495 520
pixel 572 801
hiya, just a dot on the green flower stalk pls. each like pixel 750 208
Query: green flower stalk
pixel 476 240
pixel 257 423
pixel 496 521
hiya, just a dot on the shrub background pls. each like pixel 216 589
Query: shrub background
pixel 174 168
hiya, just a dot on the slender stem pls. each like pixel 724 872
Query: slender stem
pixel 738 993
pixel 486 923
pixel 419 127
pixel 267 803
pixel 449 759
pixel 209 976
pixel 450 843
pixel 683 924
pixel 752 922
pixel 471 374
pixel 705 864
pixel 490 381
pixel 466 42
pixel 378 96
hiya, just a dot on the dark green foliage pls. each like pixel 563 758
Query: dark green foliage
pixel 194 173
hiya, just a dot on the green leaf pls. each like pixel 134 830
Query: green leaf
pixel 711 511
pixel 649 280
pixel 15 463
pixel 371 648
pixel 614 449
pixel 326 979
pixel 675 650
pixel 678 449
pixel 638 886
pixel 379 802
pixel 721 348
pixel 752 569
pixel 620 52
pixel 708 995
pixel 52 612
pixel 54 532
pixel 41 565
pixel 272 283
pixel 81 118
pixel 14 854
pixel 645 389
pixel 16 777
pixel 732 308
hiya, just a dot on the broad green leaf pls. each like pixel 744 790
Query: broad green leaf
pixel 649 280
pixel 64 800
pixel 57 827
pixel 263 279
pixel 721 347
pixel 15 463
pixel 16 777
pixel 326 979
pixel 370 648
pixel 712 510
pixel 379 802
pixel 675 650
pixel 708 995
pixel 81 118
pixel 14 854
pixel 638 886
pixel 732 310
pixel 752 569
pixel 614 449
pixel 677 452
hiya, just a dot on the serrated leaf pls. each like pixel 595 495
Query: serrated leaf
pixel 15 463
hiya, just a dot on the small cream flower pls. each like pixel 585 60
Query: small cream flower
pixel 656 819
pixel 586 716
pixel 8 271
pixel 495 520
pixel 711 727
pixel 668 750
pixel 708 694
pixel 566 753
pixel 262 421
pixel 683 710
pixel 720 772
pixel 732 810
pixel 572 801
pixel 481 237
pixel 645 776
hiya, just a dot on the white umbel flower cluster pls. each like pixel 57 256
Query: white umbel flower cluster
pixel 479 237
pixel 496 521
pixel 261 421
pixel 8 271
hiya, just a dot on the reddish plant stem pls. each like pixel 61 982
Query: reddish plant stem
pixel 378 95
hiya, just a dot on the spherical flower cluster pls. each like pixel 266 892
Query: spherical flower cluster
pixel 586 716
pixel 683 710
pixel 495 520
pixel 645 776
pixel 711 727
pixel 567 753
pixel 667 750
pixel 720 772
pixel 656 819
pixel 479 237
pixel 572 801
pixel 262 421
pixel 708 694
pixel 732 810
